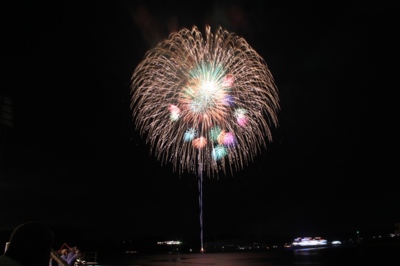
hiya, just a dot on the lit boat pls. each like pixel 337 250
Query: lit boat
pixel 309 242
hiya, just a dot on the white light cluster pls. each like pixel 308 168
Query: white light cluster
pixel 308 241
pixel 171 242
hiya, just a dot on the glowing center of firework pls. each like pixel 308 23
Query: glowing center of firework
pixel 205 98
pixel 208 87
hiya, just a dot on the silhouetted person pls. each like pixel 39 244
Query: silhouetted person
pixel 30 245
pixel 64 254
pixel 71 257
pixel 74 256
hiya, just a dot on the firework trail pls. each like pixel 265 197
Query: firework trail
pixel 205 104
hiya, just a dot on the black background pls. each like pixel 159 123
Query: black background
pixel 73 157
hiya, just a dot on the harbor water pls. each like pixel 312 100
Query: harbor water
pixel 384 256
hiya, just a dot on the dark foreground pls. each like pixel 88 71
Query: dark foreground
pixel 306 256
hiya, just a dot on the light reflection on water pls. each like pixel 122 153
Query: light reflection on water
pixel 307 256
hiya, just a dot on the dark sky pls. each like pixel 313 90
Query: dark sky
pixel 74 157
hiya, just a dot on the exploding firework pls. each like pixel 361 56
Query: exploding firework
pixel 205 104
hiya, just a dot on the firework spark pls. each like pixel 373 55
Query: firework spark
pixel 207 102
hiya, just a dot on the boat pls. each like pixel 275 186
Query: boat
pixel 309 242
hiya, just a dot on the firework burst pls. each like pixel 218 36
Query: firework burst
pixel 205 103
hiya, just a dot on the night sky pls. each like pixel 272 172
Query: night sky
pixel 73 156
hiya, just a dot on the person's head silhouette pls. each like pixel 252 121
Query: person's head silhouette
pixel 31 244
